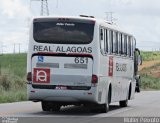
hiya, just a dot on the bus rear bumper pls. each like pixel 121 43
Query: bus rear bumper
pixel 62 96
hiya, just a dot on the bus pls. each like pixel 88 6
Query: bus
pixel 80 61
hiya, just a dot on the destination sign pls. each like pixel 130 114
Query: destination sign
pixel 41 48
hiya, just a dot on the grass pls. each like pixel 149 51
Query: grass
pixel 149 56
pixel 13 78
pixel 14 64
pixel 13 96
pixel 148 78
pixel 149 82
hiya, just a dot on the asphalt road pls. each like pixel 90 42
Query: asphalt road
pixel 145 104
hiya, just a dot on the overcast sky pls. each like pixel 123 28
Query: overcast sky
pixel 139 17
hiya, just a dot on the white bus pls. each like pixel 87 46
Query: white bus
pixel 80 60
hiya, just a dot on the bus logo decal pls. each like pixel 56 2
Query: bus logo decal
pixel 41 75
pixel 110 70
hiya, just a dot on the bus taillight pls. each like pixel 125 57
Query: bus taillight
pixel 94 79
pixel 29 76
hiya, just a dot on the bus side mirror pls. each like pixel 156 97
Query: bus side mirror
pixel 139 57
pixel 139 60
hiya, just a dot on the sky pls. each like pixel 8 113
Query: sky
pixel 138 17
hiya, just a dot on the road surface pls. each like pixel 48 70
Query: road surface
pixel 145 104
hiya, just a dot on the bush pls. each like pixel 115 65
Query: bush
pixel 4 82
pixel 149 82
pixel 13 78
pixel 12 89
pixel 13 96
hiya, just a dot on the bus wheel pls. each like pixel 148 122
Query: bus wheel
pixel 106 105
pixel 138 84
pixel 105 108
pixel 56 107
pixel 123 103
pixel 45 106
pixel 138 90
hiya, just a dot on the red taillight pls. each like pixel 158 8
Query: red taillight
pixel 29 76
pixel 94 79
pixel 33 91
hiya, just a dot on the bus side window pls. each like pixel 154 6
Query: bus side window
pixel 132 47
pixel 104 36
pixel 106 41
pixel 116 43
pixel 129 46
pixel 111 41
pixel 125 44
pixel 102 40
pixel 101 34
pixel 119 43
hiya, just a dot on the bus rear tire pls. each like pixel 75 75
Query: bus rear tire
pixel 45 106
pixel 56 107
pixel 138 84
pixel 49 106
pixel 138 90
pixel 106 105
pixel 123 103
pixel 105 108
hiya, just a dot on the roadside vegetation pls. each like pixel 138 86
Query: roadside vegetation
pixel 150 56
pixel 12 77
pixel 150 71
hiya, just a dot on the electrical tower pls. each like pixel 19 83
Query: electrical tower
pixel 109 17
pixel 44 7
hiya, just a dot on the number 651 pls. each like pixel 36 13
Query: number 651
pixel 81 60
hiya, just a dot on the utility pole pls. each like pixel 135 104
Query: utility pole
pixel 19 48
pixel 2 48
pixel 14 50
pixel 44 7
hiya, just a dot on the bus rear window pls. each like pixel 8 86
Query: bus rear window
pixel 63 32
